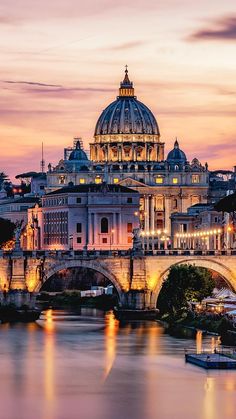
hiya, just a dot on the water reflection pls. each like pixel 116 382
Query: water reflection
pixel 54 371
pixel 49 355
pixel 111 330
pixel 209 405
pixel 199 341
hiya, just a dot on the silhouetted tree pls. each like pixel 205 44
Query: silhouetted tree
pixel 6 231
pixel 184 283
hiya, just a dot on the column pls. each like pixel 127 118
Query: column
pixel 219 241
pixel 95 230
pixel 146 209
pixel 132 153
pixel 120 228
pixel 167 214
pixel 90 229
pixel 114 227
pixel 152 213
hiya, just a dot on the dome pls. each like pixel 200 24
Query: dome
pixel 176 155
pixel 78 153
pixel 126 115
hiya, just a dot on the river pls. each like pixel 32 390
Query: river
pixel 90 367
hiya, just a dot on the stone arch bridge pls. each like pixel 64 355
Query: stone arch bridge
pixel 137 278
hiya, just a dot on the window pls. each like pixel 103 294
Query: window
pixel 78 200
pixel 159 203
pixel 41 187
pixel 129 200
pixel 104 240
pixel 130 239
pixel 79 227
pixel 62 180
pixel 129 227
pixel 216 219
pixel 175 180
pixel 79 240
pixel 82 181
pixel 184 228
pixel 116 180
pixel 104 225
pixel 98 180
pixel 159 180
pixel 195 179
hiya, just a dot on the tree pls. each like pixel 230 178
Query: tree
pixel 6 231
pixel 184 283
pixel 3 178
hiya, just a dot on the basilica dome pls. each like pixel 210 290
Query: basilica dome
pixel 176 155
pixel 78 153
pixel 126 115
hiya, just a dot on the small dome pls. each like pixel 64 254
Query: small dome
pixel 126 115
pixel 176 155
pixel 78 153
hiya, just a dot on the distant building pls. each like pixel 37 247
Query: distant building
pixel 16 209
pixel 85 217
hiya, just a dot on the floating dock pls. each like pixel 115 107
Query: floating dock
pixel 211 361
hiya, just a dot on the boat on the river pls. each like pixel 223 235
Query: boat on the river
pixel 216 360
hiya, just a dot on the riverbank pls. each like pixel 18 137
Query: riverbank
pixel 190 323
pixel 73 299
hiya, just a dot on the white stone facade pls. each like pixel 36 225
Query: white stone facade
pixel 88 217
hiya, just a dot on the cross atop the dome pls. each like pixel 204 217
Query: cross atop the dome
pixel 126 79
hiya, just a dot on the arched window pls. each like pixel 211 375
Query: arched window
pixel 104 225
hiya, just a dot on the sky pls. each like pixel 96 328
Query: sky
pixel 62 62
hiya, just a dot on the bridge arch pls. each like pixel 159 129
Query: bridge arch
pixel 213 265
pixel 52 269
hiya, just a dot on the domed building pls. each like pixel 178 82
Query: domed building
pixel 127 150
pixel 127 130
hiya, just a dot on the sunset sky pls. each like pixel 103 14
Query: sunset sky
pixel 62 62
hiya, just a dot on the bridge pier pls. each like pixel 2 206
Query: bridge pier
pixel 137 300
pixel 18 272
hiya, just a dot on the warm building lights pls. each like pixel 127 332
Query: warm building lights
pixel 202 234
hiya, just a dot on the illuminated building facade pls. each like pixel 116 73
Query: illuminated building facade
pixel 85 217
pixel 127 150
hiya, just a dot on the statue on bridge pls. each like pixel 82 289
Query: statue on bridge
pixel 17 233
pixel 137 242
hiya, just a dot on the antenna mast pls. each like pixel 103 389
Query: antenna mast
pixel 42 163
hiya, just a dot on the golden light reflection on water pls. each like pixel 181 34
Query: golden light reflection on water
pixel 214 343
pixel 154 334
pixel 111 330
pixel 199 341
pixel 49 352
pixel 209 403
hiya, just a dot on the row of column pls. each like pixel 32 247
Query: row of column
pixel 149 213
pixel 105 152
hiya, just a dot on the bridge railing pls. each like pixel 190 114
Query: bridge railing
pixel 80 254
